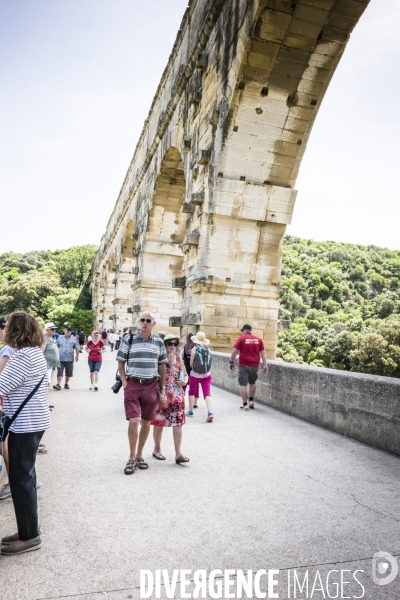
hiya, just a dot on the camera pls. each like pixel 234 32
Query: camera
pixel 117 385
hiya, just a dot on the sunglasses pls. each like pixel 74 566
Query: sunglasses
pixel 172 343
pixel 145 320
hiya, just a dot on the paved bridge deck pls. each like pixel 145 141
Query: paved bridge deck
pixel 263 491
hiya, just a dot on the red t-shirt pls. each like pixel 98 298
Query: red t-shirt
pixel 95 353
pixel 249 346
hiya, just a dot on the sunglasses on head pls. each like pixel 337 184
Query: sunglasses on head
pixel 172 343
pixel 145 320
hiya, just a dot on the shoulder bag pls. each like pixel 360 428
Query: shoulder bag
pixel 7 421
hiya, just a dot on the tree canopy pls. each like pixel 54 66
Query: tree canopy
pixel 48 285
pixel 343 305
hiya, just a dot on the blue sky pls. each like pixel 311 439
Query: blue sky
pixel 77 80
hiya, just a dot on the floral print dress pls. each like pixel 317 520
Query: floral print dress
pixel 172 413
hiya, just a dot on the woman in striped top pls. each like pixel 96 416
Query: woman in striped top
pixel 26 368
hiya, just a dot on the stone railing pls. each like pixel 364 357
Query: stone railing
pixel 363 407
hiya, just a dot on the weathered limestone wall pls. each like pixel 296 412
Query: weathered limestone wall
pixel 363 407
pixel 196 232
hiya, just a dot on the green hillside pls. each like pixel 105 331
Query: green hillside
pixel 343 304
pixel 341 309
pixel 49 285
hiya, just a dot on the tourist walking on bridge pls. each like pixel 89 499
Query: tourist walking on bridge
pixel 186 354
pixel 172 412
pixel 119 338
pixel 51 352
pixel 24 380
pixel 81 339
pixel 200 375
pixel 142 367
pixel 95 347
pixel 249 347
pixel 66 343
pixel 5 354
pixel 112 340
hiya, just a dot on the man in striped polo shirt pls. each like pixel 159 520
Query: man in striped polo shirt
pixel 142 366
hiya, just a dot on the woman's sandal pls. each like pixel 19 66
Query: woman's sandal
pixel 141 464
pixel 57 387
pixel 130 467
pixel 158 456
pixel 181 460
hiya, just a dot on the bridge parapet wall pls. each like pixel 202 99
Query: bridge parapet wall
pixel 363 407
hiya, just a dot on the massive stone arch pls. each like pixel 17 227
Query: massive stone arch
pixel 160 268
pixel 231 118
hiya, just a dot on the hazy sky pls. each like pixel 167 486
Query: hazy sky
pixel 77 78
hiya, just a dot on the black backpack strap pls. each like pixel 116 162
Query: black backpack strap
pixel 130 346
pixel 25 402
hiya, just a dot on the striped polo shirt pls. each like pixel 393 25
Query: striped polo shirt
pixel 20 375
pixel 144 355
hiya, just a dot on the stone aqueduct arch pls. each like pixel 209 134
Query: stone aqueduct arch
pixel 196 232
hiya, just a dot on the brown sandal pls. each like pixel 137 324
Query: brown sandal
pixel 57 387
pixel 130 467
pixel 66 386
pixel 181 460
pixel 158 456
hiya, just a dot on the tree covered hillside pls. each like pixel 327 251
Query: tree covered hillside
pixel 343 303
pixel 49 285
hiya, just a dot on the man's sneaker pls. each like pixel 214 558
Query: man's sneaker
pixel 210 418
pixel 251 403
pixel 190 413
pixel 244 407
pixel 5 491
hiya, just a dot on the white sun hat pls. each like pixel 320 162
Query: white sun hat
pixel 200 338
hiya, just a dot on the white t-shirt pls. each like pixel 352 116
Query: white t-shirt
pixel 6 351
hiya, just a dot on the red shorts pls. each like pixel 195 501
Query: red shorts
pixel 141 400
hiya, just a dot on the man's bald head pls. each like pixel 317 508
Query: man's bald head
pixel 146 323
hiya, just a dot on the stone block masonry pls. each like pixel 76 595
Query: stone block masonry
pixel 210 188
pixel 363 407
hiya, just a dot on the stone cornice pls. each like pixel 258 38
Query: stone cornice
pixel 209 21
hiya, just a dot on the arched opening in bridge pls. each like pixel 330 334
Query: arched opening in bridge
pixel 162 269
pixel 125 278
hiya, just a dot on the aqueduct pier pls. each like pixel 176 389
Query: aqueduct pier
pixel 196 232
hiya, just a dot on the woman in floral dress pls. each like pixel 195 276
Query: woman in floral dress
pixel 172 413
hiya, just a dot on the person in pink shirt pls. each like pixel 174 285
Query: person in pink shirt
pixel 95 348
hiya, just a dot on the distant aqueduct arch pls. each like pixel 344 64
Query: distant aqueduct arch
pixel 196 232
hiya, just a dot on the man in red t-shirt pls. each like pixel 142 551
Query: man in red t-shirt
pixel 249 347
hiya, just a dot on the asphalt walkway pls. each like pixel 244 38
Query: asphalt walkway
pixel 263 490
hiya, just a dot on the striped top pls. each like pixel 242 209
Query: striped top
pixel 18 378
pixel 144 356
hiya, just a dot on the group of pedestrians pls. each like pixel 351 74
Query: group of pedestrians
pixel 154 374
